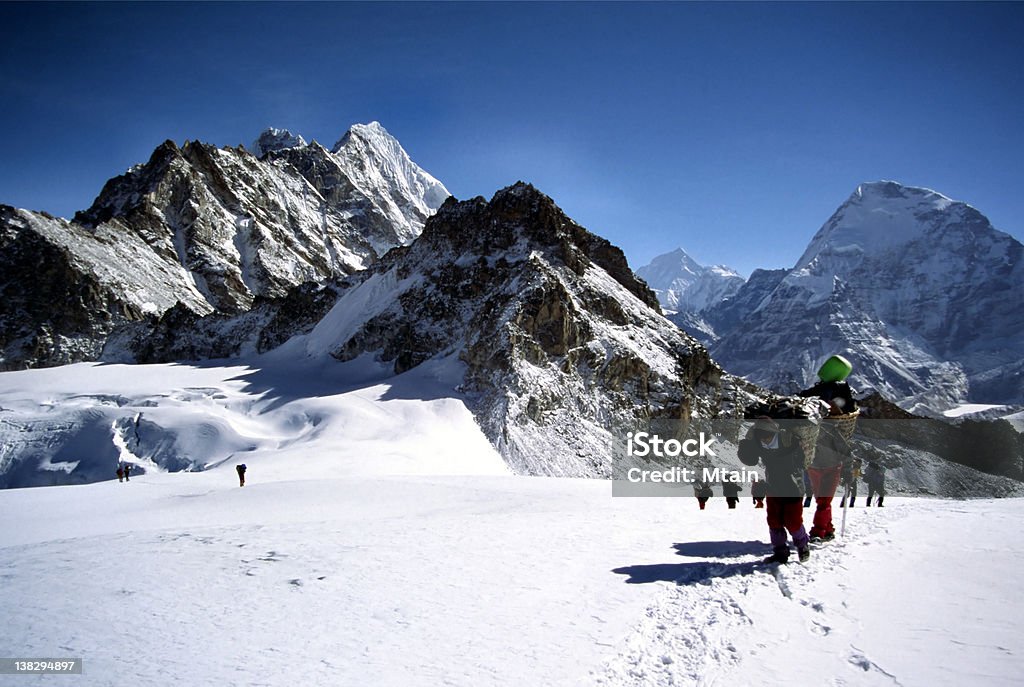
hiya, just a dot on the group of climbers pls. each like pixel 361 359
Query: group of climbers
pixel 798 470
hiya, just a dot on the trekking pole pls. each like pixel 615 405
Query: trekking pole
pixel 842 527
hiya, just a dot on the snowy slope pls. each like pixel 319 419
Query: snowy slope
pixel 909 284
pixel 475 580
pixel 72 424
pixel 874 608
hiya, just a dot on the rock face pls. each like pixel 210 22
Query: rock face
pixel 555 342
pixel 55 310
pixel 211 229
pixel 913 287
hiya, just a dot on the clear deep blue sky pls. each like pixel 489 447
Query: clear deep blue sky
pixel 731 130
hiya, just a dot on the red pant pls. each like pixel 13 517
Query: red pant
pixel 785 512
pixel 824 482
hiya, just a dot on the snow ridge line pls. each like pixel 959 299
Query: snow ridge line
pixel 700 631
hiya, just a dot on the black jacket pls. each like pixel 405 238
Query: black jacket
pixel 829 391
pixel 783 466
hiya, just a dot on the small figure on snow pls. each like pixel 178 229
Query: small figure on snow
pixel 240 469
pixel 783 459
pixel 120 473
pixel 731 491
pixel 702 490
pixel 759 490
pixel 850 478
pixel 127 471
pixel 875 477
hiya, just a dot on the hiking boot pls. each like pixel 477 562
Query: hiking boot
pixel 804 554
pixel 815 539
pixel 829 537
pixel 781 555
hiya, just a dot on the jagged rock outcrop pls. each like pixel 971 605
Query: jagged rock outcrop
pixel 557 343
pixel 54 311
pixel 180 334
pixel 204 229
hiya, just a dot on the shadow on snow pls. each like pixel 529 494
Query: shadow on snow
pixel 702 571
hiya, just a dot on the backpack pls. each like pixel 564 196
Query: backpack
pixel 777 409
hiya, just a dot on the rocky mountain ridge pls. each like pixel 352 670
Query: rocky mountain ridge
pixel 558 344
pixel 211 229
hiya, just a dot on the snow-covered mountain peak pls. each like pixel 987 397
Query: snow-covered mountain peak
pixel 675 262
pixel 373 132
pixel 683 284
pixel 884 216
pixel 212 229
pixel 909 284
pixel 272 139
pixel 894 190
pixel 556 341
pixel 379 167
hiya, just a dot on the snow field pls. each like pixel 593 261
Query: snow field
pixel 381 541
pixel 919 593
pixel 495 580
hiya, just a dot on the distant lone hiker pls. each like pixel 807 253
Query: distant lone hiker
pixel 875 477
pixel 127 471
pixel 702 490
pixel 120 473
pixel 731 490
pixel 240 469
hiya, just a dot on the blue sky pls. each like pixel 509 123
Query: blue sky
pixel 731 130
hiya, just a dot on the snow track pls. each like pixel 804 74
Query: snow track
pixel 729 620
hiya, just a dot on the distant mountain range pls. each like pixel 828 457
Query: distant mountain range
pixel 921 292
pixel 537 326
pixel 206 229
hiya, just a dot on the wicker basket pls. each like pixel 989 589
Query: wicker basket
pixel 846 423
pixel 806 433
